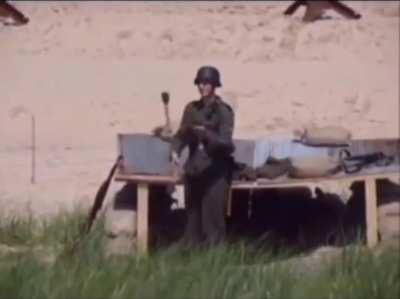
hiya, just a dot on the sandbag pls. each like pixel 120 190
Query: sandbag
pixel 325 136
pixel 313 167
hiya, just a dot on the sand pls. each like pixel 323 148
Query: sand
pixel 90 70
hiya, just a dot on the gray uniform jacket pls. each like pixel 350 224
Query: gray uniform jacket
pixel 211 150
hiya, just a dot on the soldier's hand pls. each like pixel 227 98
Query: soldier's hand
pixel 175 158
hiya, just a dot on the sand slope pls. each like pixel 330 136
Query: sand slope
pixel 90 70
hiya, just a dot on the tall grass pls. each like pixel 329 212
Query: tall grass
pixel 227 271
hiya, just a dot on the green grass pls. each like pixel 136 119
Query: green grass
pixel 229 271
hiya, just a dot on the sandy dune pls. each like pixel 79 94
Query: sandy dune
pixel 88 71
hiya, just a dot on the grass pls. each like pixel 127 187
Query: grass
pixel 228 271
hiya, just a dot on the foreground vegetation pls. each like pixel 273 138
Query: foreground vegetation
pixel 42 269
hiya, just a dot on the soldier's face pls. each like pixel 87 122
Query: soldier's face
pixel 205 89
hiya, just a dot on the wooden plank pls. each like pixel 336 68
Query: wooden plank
pixel 265 184
pixel 147 179
pixel 260 183
pixel 143 217
pixel 371 212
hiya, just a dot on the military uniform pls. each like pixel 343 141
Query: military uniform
pixel 208 169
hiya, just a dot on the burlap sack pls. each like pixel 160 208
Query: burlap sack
pixel 326 136
pixel 313 167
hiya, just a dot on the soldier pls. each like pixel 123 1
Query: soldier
pixel 206 128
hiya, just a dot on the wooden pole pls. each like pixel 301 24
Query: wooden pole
pixel 371 212
pixel 33 150
pixel 143 217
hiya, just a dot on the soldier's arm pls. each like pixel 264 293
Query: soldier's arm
pixel 179 140
pixel 222 140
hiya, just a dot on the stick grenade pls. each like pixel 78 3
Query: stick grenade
pixel 33 149
pixel 165 100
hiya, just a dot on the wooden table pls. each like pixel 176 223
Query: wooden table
pixel 144 181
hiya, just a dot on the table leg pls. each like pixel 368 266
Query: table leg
pixel 143 217
pixel 229 203
pixel 371 212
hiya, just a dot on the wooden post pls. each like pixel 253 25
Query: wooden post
pixel 33 149
pixel 229 203
pixel 371 212
pixel 143 217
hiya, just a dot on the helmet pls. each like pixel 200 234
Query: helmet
pixel 208 74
